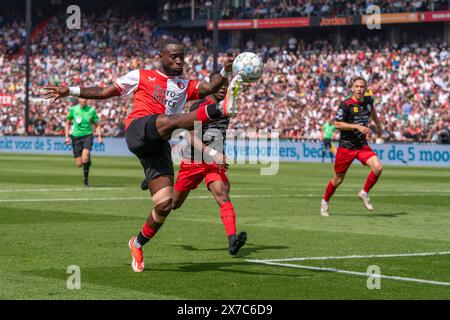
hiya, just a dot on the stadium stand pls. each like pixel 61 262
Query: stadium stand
pixel 257 9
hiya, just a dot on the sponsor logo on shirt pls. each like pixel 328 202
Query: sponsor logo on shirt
pixel 159 94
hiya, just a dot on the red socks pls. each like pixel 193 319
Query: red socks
pixel 228 218
pixel 370 182
pixel 148 232
pixel 209 112
pixel 329 191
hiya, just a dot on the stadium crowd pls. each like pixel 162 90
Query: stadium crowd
pixel 254 9
pixel 301 85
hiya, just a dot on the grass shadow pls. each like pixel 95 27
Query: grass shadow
pixel 246 250
pixel 373 215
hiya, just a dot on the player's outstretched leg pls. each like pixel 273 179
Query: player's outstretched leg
pixel 329 191
pixel 167 124
pixel 162 193
pixel 220 190
pixel 374 164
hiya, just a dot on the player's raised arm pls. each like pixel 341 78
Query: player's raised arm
pixel 198 145
pixel 216 82
pixel 56 93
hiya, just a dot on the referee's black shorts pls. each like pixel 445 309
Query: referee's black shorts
pixel 80 143
pixel 154 153
pixel 327 144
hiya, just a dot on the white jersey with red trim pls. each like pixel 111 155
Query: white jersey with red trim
pixel 156 93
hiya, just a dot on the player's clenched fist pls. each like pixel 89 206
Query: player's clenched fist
pixel 55 93
pixel 228 63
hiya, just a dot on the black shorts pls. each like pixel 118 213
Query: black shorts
pixel 153 151
pixel 80 143
pixel 327 144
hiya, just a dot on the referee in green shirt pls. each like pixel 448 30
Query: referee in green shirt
pixel 327 136
pixel 83 117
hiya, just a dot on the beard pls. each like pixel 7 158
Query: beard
pixel 172 72
pixel 176 73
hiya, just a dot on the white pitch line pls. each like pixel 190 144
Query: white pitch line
pixel 234 188
pixel 394 255
pixel 355 273
pixel 73 199
pixel 206 197
pixel 112 189
pixel 63 189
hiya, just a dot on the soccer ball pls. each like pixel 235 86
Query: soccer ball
pixel 250 64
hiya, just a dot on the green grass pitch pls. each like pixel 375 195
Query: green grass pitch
pixel 48 222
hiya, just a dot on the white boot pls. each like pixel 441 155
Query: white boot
pixel 324 209
pixel 364 196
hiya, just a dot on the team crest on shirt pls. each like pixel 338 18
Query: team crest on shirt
pixel 180 85
pixel 355 109
pixel 369 107
pixel 78 120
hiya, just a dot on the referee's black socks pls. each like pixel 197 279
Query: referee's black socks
pixel 86 167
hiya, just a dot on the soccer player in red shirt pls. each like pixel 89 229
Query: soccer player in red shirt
pixel 159 97
pixel 209 164
pixel 352 119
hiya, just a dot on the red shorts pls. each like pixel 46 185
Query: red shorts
pixel 345 157
pixel 191 174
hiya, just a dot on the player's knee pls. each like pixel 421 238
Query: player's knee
pixel 162 200
pixel 222 197
pixel 338 179
pixel 163 209
pixel 378 169
pixel 158 215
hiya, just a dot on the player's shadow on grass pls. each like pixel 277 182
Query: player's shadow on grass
pixel 246 250
pixel 243 269
pixel 374 215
